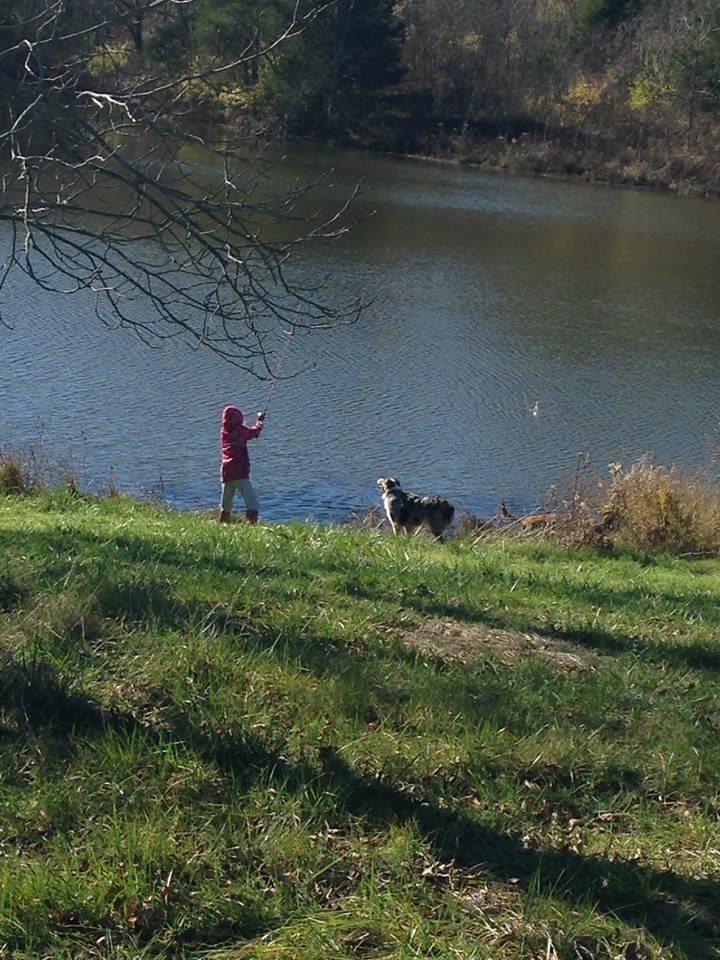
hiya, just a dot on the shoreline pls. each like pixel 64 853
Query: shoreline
pixel 550 160
pixel 685 191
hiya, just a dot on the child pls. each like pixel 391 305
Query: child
pixel 235 468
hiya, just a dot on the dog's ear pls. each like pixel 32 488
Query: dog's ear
pixel 387 483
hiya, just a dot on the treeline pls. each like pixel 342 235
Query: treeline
pixel 620 89
pixel 631 87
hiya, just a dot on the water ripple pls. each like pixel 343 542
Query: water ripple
pixel 494 295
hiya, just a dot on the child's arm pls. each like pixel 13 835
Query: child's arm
pixel 254 432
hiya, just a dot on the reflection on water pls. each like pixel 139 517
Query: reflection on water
pixel 493 294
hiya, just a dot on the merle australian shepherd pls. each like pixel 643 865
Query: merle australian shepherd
pixel 408 513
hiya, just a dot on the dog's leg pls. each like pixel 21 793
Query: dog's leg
pixel 438 529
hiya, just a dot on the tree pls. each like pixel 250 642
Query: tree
pixel 698 56
pixel 607 13
pixel 211 32
pixel 355 51
pixel 104 195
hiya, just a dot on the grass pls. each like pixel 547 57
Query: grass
pixel 226 742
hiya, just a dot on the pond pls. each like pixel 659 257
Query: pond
pixel 516 324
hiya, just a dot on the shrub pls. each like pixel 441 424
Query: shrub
pixel 14 475
pixel 652 507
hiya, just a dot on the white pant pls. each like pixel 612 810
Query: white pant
pixel 246 491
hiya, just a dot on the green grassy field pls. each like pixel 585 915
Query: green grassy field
pixel 297 742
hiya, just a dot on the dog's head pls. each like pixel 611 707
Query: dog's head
pixel 386 484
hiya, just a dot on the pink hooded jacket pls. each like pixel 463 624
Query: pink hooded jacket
pixel 234 436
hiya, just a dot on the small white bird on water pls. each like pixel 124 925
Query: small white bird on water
pixel 536 409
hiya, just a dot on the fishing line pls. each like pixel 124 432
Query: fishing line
pixel 278 369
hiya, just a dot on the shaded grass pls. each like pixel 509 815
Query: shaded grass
pixel 215 739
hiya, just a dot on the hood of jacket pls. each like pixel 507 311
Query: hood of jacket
pixel 232 417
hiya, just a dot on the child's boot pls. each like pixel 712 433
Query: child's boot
pixel 251 516
pixel 224 516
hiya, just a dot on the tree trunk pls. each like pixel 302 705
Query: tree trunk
pixel 136 32
pixel 693 95
pixel 344 13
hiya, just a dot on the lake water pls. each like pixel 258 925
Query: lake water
pixel 494 296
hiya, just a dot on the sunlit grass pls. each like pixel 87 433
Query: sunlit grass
pixel 224 742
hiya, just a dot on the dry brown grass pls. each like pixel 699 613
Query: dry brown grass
pixel 660 508
pixel 642 507
pixel 15 476
pixel 471 643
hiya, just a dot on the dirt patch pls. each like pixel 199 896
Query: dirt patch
pixel 468 642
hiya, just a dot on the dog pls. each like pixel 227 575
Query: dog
pixel 407 512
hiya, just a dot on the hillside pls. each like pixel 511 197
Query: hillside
pixel 295 742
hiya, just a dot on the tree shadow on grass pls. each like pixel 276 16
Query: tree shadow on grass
pixel 137 600
pixel 40 699
pixel 154 599
pixel 55 720
pixel 673 908
pixel 36 696
pixel 141 599
pixel 452 687
pixel 676 910
pixel 697 656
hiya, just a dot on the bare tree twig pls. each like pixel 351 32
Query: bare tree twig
pixel 101 198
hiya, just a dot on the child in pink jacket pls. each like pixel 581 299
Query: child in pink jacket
pixel 235 468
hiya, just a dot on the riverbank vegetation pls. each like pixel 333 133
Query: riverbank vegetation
pixel 290 741
pixel 620 90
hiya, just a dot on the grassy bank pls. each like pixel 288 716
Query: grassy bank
pixel 293 742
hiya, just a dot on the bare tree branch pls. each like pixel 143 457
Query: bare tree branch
pixel 101 198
